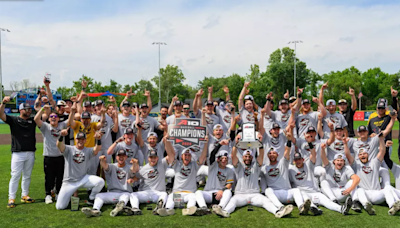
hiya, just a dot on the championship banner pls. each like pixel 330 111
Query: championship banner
pixel 187 132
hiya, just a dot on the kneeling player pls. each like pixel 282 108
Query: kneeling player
pixel 76 165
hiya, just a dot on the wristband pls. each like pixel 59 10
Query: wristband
pixel 98 142
pixel 61 138
pixel 299 95
pixel 310 145
pixel 269 99
pixel 83 89
pixel 261 147
pixel 289 143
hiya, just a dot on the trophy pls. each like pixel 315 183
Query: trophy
pixel 248 140
pixel 74 203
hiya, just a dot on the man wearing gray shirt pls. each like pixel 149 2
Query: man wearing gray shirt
pixel 127 143
pixel 147 123
pixel 77 160
pixel 53 159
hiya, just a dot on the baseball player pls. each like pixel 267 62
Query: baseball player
pixel 369 191
pixel 219 183
pixel 301 176
pixel 185 182
pixel 394 167
pixel 53 159
pixel 277 178
pixel 348 112
pixel 77 160
pixel 340 179
pixel 125 118
pixel 119 189
pixel 127 143
pixel 247 190
pixel 23 150
pixel 177 106
pixel 147 123
pixel 152 144
pixel 247 105
pixel 211 118
pixel 307 117
pixel 152 180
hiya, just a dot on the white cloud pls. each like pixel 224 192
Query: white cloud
pixel 205 41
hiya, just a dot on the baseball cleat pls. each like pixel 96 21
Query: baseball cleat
pixel 202 211
pixel 305 207
pixel 369 209
pixel 189 211
pixel 48 199
pixel 159 205
pixel 395 208
pixel 346 206
pixel 90 213
pixel 27 199
pixel 218 211
pixel 356 206
pixel 11 203
pixel 90 202
pixel 165 212
pixel 118 208
pixel 315 211
pixel 137 211
pixel 283 211
pixel 127 211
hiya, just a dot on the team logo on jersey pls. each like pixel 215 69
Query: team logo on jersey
pixel 300 176
pixel 334 120
pixel 284 117
pixel 85 130
pixel 250 117
pixel 105 123
pixel 129 152
pixel 267 117
pixel 364 146
pixel 121 174
pixel 247 171
pixel 338 146
pixel 152 174
pixel 274 141
pixel 273 172
pixel 307 147
pixel 55 132
pixel 195 148
pixel 126 123
pixel 221 176
pixel 78 157
pixel 337 176
pixel 145 124
pixel 304 122
pixel 227 119
pixel 185 171
pixel 367 169
pixel 209 120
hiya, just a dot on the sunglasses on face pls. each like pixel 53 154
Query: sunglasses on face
pixel 186 108
pixel 53 116
pixel 27 109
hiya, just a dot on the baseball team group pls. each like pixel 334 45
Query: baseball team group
pixel 123 156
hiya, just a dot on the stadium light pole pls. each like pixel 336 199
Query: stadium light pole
pixel 1 74
pixel 159 72
pixel 295 42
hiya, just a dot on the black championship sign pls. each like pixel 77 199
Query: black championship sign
pixel 187 132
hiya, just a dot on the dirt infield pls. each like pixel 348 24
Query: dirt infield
pixel 6 138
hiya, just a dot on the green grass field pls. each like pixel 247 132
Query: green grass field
pixel 41 215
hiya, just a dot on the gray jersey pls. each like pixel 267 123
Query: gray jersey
pixel 248 117
pixel 185 176
pixel 278 144
pixel 224 118
pixel 305 151
pixel 153 177
pixel 337 147
pixel 303 178
pixel 149 125
pixel 213 141
pixel 247 177
pixel 218 178
pixel 50 137
pixel 396 174
pixel 268 121
pixel 106 139
pixel 281 118
pixel 338 178
pixel 171 119
pixel 336 119
pixel 117 177
pixel 76 162
pixel 195 149
pixel 277 176
pixel 371 146
pixel 124 122
pixel 159 148
pixel 211 121
pixel 132 151
pixel 368 173
pixel 303 121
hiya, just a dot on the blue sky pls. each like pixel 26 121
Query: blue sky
pixel 112 39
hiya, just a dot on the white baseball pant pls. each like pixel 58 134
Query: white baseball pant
pixel 377 196
pixel 110 198
pixel 255 199
pixel 335 193
pixel 68 188
pixel 284 196
pixel 202 173
pixel 385 176
pixel 148 196
pixel 203 197
pixel 21 162
pixel 187 197
pixel 321 199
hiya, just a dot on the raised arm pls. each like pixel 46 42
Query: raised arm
pixel 38 116
pixel 389 127
pixel 353 99
pixel 115 120
pixel 195 101
pixel 71 121
pixel 319 126
pixel 97 147
pixel 60 144
pixel 321 92
pixel 331 135
pixel 169 149
pixel 320 105
pixel 210 93
pixel 102 119
pixel 349 157
pixel 260 158
pixel 288 146
pixel 38 102
pixel 3 115
pixel 242 94
pixel 111 149
pixel 382 148
pixel 324 159
pixel 387 159
pixel 226 91
pixel 299 98
pixel 313 155
pixel 203 155
pixel 268 104
pixel 103 162
pixel 261 128
pixel 128 94
pixel 147 94
pixel 235 160
pixel 139 138
pixel 48 92
pixel 171 106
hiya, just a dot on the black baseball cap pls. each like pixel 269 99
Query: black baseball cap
pixel 362 128
pixel 121 152
pixel 128 130
pixel 126 103
pixel 178 103
pixel 275 125
pixel 292 99
pixel 87 103
pixel 209 102
pixel 297 155
pixel 283 101
pixel 144 105
pixel 85 115
pixel 135 104
pixel 80 135
pixel 342 101
pixel 152 153
pixel 98 102
pixel 337 127
pixel 305 101
pixel 311 128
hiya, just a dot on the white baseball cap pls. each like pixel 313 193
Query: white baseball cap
pixel 61 103
pixel 339 156
pixel 222 153
pixel 217 126
pixel 248 152
pixel 330 102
